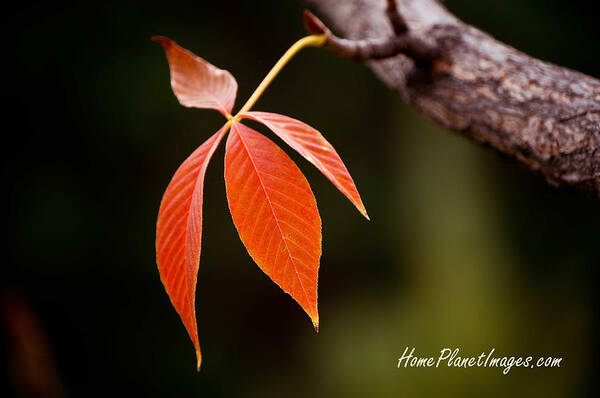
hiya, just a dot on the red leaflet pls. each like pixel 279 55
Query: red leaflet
pixel 272 205
pixel 179 231
pixel 315 148
pixel 197 83
pixel 275 213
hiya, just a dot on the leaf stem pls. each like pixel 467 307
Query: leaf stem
pixel 308 41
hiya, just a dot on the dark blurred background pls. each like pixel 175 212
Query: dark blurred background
pixel 466 249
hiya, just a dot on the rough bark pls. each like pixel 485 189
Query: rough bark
pixel 546 116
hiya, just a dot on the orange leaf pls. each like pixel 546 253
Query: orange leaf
pixel 197 83
pixel 179 232
pixel 275 213
pixel 315 148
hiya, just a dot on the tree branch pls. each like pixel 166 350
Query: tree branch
pixel 396 19
pixel 546 116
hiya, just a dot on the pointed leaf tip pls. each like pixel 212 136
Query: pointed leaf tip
pixel 198 360
pixel 162 40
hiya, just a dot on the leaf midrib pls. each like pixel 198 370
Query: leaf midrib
pixel 291 258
